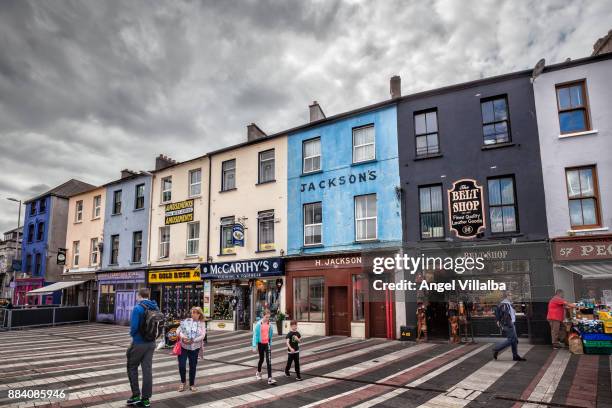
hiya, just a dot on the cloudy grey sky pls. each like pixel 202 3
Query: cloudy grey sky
pixel 90 87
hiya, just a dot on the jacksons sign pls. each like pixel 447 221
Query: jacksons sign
pixel 466 213
pixel 362 177
pixel 257 268
pixel 181 211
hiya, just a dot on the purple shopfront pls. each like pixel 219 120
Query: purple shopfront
pixel 117 295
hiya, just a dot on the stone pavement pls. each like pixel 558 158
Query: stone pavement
pixel 88 362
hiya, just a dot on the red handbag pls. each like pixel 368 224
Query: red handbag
pixel 177 350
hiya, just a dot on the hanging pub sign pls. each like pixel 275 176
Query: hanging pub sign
pixel 179 212
pixel 238 234
pixel 466 213
pixel 61 256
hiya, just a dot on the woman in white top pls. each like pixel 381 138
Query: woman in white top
pixel 191 334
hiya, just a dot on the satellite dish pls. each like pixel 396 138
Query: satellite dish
pixel 537 70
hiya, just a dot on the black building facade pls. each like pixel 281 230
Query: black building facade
pixel 472 185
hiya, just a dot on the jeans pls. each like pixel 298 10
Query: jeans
pixel 291 357
pixel 192 355
pixel 511 341
pixel 264 349
pixel 141 355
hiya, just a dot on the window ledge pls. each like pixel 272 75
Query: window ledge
pixel 497 145
pixel 194 256
pixel 78 222
pixel 226 254
pixel 228 190
pixel 165 202
pixel 578 231
pixel 313 246
pixel 135 263
pixel 583 133
pixel 363 162
pixel 194 196
pixel 311 173
pixel 163 259
pixel 138 209
pixel 113 214
pixel 366 241
pixel 265 182
pixel 428 156
pixel 265 250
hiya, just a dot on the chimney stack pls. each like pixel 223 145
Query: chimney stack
pixel 603 45
pixel 127 173
pixel 395 86
pixel 316 113
pixel 163 161
pixel 254 132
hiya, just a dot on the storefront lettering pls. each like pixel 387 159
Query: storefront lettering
pixel 363 177
pixel 243 269
pixel 338 261
pixel 576 250
pixel 174 276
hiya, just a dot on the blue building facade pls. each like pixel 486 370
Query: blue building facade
pixel 125 248
pixel 343 202
pixel 340 179
pixel 44 236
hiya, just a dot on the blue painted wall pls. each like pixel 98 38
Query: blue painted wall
pixel 338 201
pixel 36 246
pixel 126 223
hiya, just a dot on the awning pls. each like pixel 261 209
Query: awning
pixel 590 270
pixel 54 287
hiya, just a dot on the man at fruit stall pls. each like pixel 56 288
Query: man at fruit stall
pixel 555 317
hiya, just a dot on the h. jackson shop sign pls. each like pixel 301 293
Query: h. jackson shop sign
pixel 256 268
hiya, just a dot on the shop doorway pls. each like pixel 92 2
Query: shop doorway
pixel 243 307
pixel 125 302
pixel 339 323
pixel 378 320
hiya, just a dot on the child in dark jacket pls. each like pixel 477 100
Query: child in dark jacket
pixel 293 340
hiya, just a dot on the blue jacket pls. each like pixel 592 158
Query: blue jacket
pixel 257 334
pixel 138 314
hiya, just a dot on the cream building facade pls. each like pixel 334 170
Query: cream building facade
pixel 178 235
pixel 84 236
pixel 248 231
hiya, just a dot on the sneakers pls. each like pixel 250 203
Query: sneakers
pixel 144 403
pixel 495 353
pixel 519 358
pixel 258 375
pixel 135 399
pixel 298 378
pixel 287 374
pixel 271 381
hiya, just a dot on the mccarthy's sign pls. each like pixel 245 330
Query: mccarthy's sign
pixel 466 213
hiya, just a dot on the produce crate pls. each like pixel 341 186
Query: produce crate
pixel 608 327
pixel 597 346
pixel 596 336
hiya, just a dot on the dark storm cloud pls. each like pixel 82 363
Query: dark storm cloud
pixel 90 87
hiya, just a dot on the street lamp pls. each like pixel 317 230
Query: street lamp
pixel 19 216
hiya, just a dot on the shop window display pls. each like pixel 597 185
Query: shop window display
pixel 107 299
pixel 179 299
pixel 360 290
pixel 309 301
pixel 267 296
pixel 222 297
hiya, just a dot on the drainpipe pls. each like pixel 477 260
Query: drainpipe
pixel 208 218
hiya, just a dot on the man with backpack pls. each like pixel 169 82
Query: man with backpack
pixel 506 317
pixel 145 326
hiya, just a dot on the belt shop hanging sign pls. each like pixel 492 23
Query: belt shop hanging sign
pixel 465 208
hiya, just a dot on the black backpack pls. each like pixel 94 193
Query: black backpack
pixel 152 323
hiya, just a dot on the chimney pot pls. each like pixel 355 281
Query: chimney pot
pixel 395 85
pixel 254 132
pixel 162 161
pixel 316 113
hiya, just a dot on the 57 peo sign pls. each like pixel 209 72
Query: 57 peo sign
pixel 466 212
